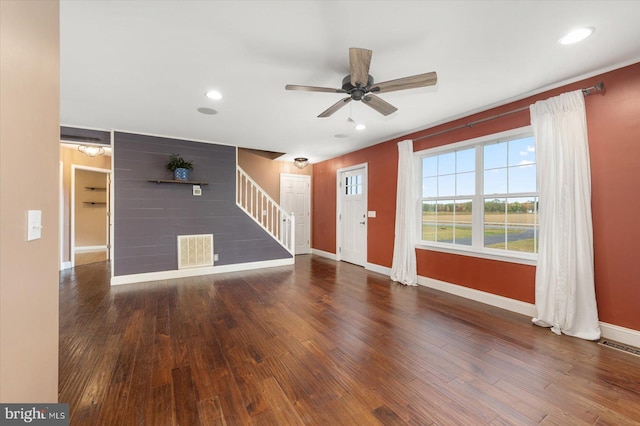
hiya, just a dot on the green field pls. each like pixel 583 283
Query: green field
pixel 445 232
pixel 527 245
pixel 490 218
pixel 445 228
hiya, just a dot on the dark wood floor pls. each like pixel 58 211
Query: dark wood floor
pixel 322 343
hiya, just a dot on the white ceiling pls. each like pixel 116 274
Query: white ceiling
pixel 144 66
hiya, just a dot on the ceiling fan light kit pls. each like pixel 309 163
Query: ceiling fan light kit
pixel 360 85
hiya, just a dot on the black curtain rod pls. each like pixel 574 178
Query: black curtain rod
pixel 586 91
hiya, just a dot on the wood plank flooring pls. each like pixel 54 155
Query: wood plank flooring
pixel 322 343
pixel 90 257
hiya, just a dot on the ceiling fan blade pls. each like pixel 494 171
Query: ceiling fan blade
pixel 359 62
pixel 420 80
pixel 313 88
pixel 383 107
pixel 333 108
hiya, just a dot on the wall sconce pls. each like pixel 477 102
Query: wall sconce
pixel 301 162
pixel 91 150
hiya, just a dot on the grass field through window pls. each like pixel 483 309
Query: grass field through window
pixel 500 231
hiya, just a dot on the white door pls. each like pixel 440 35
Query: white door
pixel 353 216
pixel 295 197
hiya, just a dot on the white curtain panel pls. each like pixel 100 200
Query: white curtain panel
pixel 565 289
pixel 403 267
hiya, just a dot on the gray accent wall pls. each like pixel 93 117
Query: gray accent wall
pixel 89 136
pixel 149 216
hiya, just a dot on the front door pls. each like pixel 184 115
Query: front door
pixel 353 216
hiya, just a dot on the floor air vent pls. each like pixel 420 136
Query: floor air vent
pixel 195 251
pixel 620 347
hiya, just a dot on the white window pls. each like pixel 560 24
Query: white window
pixel 480 196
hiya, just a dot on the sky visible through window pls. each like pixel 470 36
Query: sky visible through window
pixel 509 167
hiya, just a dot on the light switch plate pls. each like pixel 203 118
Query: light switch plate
pixel 34 224
pixel 197 191
pixel 371 213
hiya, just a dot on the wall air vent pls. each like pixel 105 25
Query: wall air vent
pixel 195 251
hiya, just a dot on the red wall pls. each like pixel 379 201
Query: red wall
pixel 614 146
pixel 613 121
pixel 382 163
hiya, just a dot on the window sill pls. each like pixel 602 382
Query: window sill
pixel 525 259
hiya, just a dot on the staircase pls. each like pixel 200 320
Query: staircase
pixel 251 198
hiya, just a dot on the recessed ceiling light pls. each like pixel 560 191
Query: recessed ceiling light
pixel 214 94
pixel 576 35
pixel 360 126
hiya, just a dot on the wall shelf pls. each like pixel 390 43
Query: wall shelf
pixel 189 182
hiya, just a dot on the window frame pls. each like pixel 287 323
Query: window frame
pixel 477 248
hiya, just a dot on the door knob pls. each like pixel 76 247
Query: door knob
pixel 362 223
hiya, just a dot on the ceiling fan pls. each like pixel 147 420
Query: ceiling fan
pixel 359 85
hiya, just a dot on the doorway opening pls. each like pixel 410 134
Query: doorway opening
pixel 90 212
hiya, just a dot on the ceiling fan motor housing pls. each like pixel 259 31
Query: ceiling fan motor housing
pixel 356 92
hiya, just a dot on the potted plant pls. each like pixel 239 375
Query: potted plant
pixel 179 166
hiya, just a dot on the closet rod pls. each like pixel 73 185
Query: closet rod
pixel 599 87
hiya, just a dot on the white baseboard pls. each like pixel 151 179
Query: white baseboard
pixel 65 265
pixel 378 268
pixel 89 249
pixel 609 331
pixel 326 254
pixel 480 296
pixel 195 272
pixel 620 334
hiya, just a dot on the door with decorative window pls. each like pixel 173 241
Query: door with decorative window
pixel 353 216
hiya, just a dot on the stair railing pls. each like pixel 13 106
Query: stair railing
pixel 251 198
